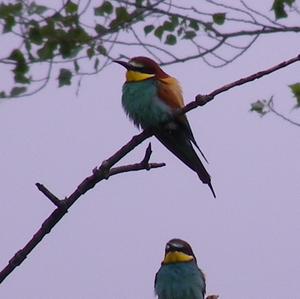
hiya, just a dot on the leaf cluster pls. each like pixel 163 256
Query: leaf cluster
pixel 72 41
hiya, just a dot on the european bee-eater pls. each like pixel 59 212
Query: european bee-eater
pixel 179 276
pixel 150 98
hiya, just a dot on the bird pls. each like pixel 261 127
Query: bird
pixel 150 97
pixel 179 276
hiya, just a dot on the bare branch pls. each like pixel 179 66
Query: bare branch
pixel 104 172
pixel 148 153
pixel 135 167
pixel 204 99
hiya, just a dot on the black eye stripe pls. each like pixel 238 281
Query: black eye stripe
pixel 179 247
pixel 141 69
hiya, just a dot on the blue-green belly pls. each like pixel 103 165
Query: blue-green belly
pixel 180 281
pixel 142 104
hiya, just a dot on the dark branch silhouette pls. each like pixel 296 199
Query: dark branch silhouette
pixel 103 172
pixel 106 170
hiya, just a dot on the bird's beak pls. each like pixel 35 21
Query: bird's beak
pixel 123 63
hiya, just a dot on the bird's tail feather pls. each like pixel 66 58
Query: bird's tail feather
pixel 178 143
pixel 200 151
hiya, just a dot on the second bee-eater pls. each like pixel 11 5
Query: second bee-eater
pixel 150 98
pixel 179 276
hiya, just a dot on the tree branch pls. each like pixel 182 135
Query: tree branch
pixel 106 170
pixel 201 100
pixel 103 172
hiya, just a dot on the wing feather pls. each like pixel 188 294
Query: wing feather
pixel 169 91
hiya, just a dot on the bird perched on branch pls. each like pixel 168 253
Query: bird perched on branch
pixel 150 98
pixel 179 276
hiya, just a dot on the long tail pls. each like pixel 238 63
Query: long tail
pixel 178 143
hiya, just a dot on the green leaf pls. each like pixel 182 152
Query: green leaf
pixel 69 48
pixel 90 52
pixel 65 48
pixel 100 29
pixel 105 8
pixel 35 35
pixel 219 18
pixel 48 30
pixel 70 20
pixel 259 107
pixel 17 91
pixel 168 26
pixel 122 14
pixel 101 49
pixel 71 7
pixel 189 34
pixel 279 8
pixel 78 35
pixel 194 25
pixel 9 24
pixel 16 55
pixel 174 20
pixel 159 32
pixel 295 88
pixel 20 78
pixel 10 10
pixel 21 67
pixel 171 39
pixel 148 29
pixel 64 77
pixel 47 51
pixel 37 9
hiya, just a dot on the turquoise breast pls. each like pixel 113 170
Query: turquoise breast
pixel 180 281
pixel 142 104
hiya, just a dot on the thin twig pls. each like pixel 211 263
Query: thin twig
pixel 56 201
pixel 271 109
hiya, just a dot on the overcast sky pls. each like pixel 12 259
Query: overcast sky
pixel 111 242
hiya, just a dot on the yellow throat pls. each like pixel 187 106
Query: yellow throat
pixel 177 257
pixel 132 76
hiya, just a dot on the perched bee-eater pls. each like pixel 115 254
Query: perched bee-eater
pixel 179 276
pixel 150 98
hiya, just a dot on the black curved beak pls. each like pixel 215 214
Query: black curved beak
pixel 123 63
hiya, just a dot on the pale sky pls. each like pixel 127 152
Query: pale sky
pixel 111 242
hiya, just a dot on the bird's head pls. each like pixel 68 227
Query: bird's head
pixel 142 68
pixel 178 251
